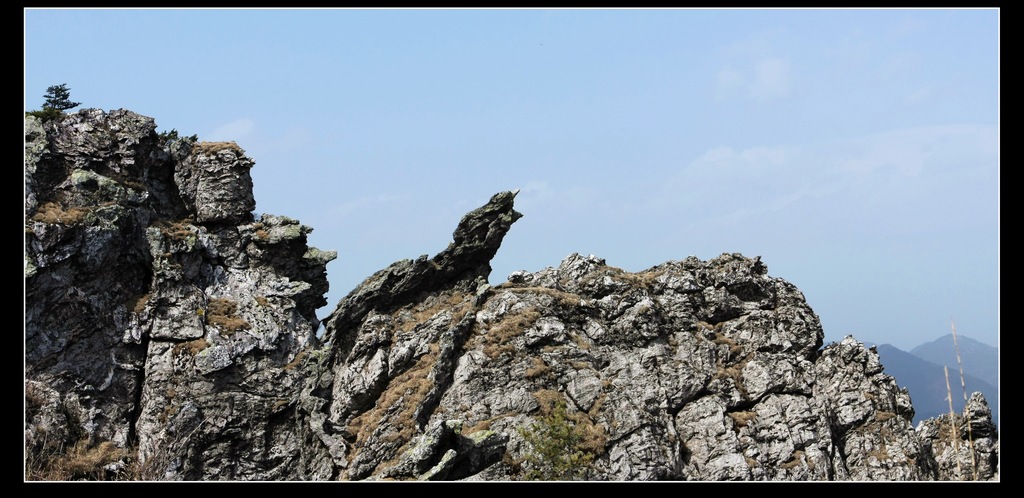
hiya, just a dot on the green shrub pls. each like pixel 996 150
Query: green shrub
pixel 557 447
pixel 45 114
pixel 57 100
pixel 59 97
pixel 166 137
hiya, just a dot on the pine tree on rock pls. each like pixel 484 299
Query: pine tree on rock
pixel 58 97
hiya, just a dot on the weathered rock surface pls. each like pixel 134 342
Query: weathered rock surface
pixel 160 316
pixel 172 333
pixel 963 447
pixel 690 370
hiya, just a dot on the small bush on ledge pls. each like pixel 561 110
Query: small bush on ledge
pixel 557 449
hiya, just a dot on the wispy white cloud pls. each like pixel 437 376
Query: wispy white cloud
pixel 753 46
pixel 910 169
pixel 728 81
pixel 920 151
pixel 540 196
pixel 534 190
pixel 765 155
pixel 292 139
pixel 909 26
pixel 751 68
pixel 362 205
pixel 772 78
pixel 232 131
pixel 730 164
pixel 897 67
pixel 906 158
pixel 761 80
pixel 919 96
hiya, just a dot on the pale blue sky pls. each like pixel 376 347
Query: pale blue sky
pixel 855 151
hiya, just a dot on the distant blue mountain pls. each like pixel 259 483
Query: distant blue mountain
pixel 926 382
pixel 979 359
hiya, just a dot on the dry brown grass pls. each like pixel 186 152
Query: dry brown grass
pixel 279 404
pixel 496 340
pixel 733 371
pixel 190 348
pixel 947 430
pixel 296 361
pixel 211 148
pixel 560 297
pixel 398 404
pixel 485 424
pixel 547 399
pixel 580 340
pixel 702 325
pixel 81 461
pixel 54 213
pixel 482 425
pixel 593 437
pixel 539 368
pixel 260 231
pixel 743 418
pixel 220 312
pixel 262 301
pixel 882 416
pixel 85 461
pixel 138 303
pixel 170 410
pixel 795 459
pixel 881 453
pixel 133 184
pixel 175 230
pixel 644 279
pixel 720 339
pixel 598 405
pixel 409 317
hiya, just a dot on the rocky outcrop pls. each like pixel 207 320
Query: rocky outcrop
pixel 690 370
pixel 171 335
pixel 160 316
pixel 965 446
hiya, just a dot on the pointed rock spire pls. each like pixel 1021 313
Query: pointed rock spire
pixel 461 265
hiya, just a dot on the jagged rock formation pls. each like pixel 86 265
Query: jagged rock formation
pixel 926 382
pixel 965 446
pixel 166 327
pixel 160 316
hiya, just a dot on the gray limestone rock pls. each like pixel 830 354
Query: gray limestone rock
pixel 214 182
pixel 170 321
pixel 171 334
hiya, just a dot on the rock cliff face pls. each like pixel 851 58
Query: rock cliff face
pixel 171 335
pixel 160 315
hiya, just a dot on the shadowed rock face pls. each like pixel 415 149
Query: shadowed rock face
pixel 690 370
pixel 464 265
pixel 162 317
